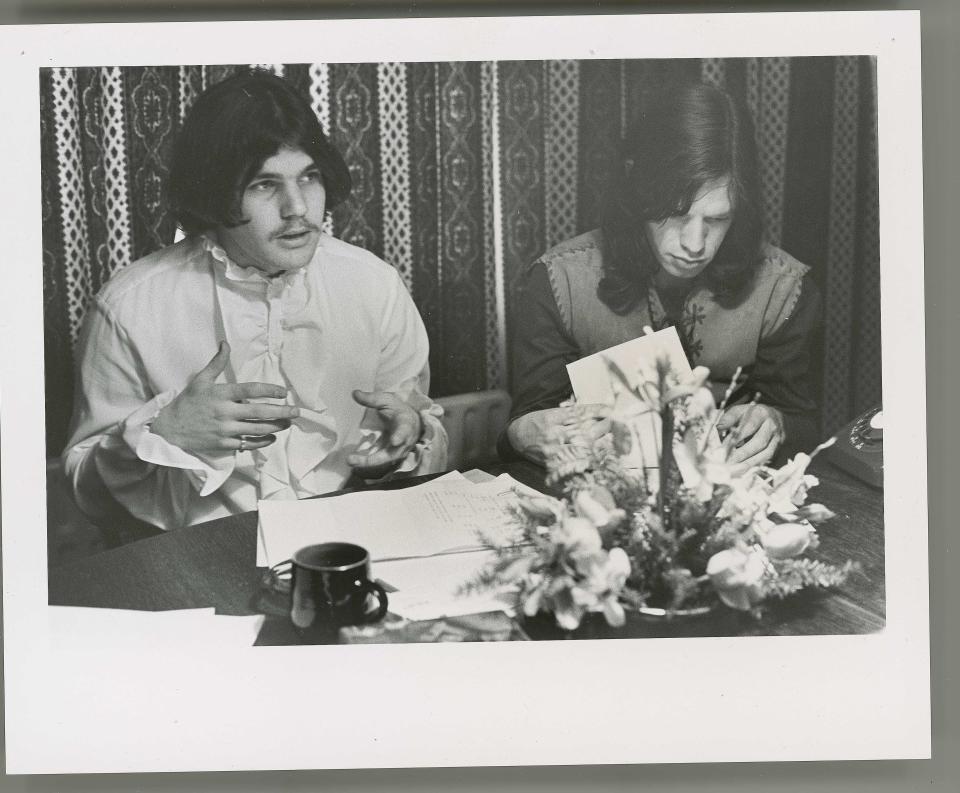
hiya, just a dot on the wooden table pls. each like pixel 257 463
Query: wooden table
pixel 214 564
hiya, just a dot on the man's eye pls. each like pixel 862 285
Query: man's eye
pixel 261 187
pixel 314 177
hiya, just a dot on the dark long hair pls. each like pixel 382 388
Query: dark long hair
pixel 686 135
pixel 231 130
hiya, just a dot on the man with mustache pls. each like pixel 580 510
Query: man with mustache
pixel 258 357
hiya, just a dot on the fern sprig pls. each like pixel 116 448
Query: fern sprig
pixel 792 575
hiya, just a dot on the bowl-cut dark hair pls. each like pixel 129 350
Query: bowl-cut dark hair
pixel 687 134
pixel 229 132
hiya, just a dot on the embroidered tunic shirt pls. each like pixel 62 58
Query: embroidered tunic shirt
pixel 769 333
pixel 342 322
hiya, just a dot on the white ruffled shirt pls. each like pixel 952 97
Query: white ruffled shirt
pixel 342 322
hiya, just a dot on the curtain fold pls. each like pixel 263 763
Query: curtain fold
pixel 465 172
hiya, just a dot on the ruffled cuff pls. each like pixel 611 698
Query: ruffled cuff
pixel 206 472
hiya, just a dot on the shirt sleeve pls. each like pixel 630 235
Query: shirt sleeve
pixel 112 460
pixel 404 369
pixel 542 349
pixel 782 372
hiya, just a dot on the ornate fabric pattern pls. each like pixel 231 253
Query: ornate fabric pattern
pixel 92 156
pixel 354 132
pixel 522 118
pixel 599 134
pixel 395 168
pixel 841 245
pixel 714 71
pixel 561 151
pixel 57 341
pixel 461 223
pixel 73 207
pixel 422 98
pixel 463 174
pixel 190 86
pixel 868 384
pixel 113 144
pixel 773 109
pixel 319 91
pixel 754 66
pixel 494 295
pixel 151 101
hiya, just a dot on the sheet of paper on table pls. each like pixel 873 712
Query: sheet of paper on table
pixel 79 628
pixel 303 531
pixel 441 516
pixel 432 587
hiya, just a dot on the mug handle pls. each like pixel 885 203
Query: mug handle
pixel 375 588
pixel 272 596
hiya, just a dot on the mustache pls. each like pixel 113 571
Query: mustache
pixel 294 228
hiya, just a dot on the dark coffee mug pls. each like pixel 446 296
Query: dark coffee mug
pixel 330 587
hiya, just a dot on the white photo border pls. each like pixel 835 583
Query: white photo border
pixel 688 700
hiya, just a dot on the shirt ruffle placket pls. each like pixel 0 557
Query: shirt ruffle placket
pixel 275 319
pixel 274 473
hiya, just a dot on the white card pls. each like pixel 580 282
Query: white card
pixel 592 380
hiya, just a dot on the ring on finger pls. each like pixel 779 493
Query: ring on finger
pixel 243 443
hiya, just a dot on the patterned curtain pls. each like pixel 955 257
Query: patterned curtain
pixel 463 173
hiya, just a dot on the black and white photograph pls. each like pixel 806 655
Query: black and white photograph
pixel 563 355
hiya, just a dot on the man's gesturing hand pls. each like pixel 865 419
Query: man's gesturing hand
pixel 212 417
pixel 401 431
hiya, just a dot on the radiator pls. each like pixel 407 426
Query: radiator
pixel 473 422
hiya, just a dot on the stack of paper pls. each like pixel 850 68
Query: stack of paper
pixel 77 627
pixel 441 516
pixel 425 542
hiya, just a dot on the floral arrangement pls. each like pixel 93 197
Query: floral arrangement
pixel 654 517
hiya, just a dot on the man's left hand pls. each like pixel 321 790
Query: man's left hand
pixel 756 432
pixel 401 430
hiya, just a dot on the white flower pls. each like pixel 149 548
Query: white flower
pixel 701 470
pixel 746 503
pixel 539 507
pixel 789 485
pixel 692 385
pixel 736 576
pixel 591 509
pixel 568 613
pixel 579 535
pixel 589 505
pixel 785 540
pixel 605 575
pixel 609 571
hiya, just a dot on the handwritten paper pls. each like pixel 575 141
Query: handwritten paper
pixel 442 516
pixel 432 587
